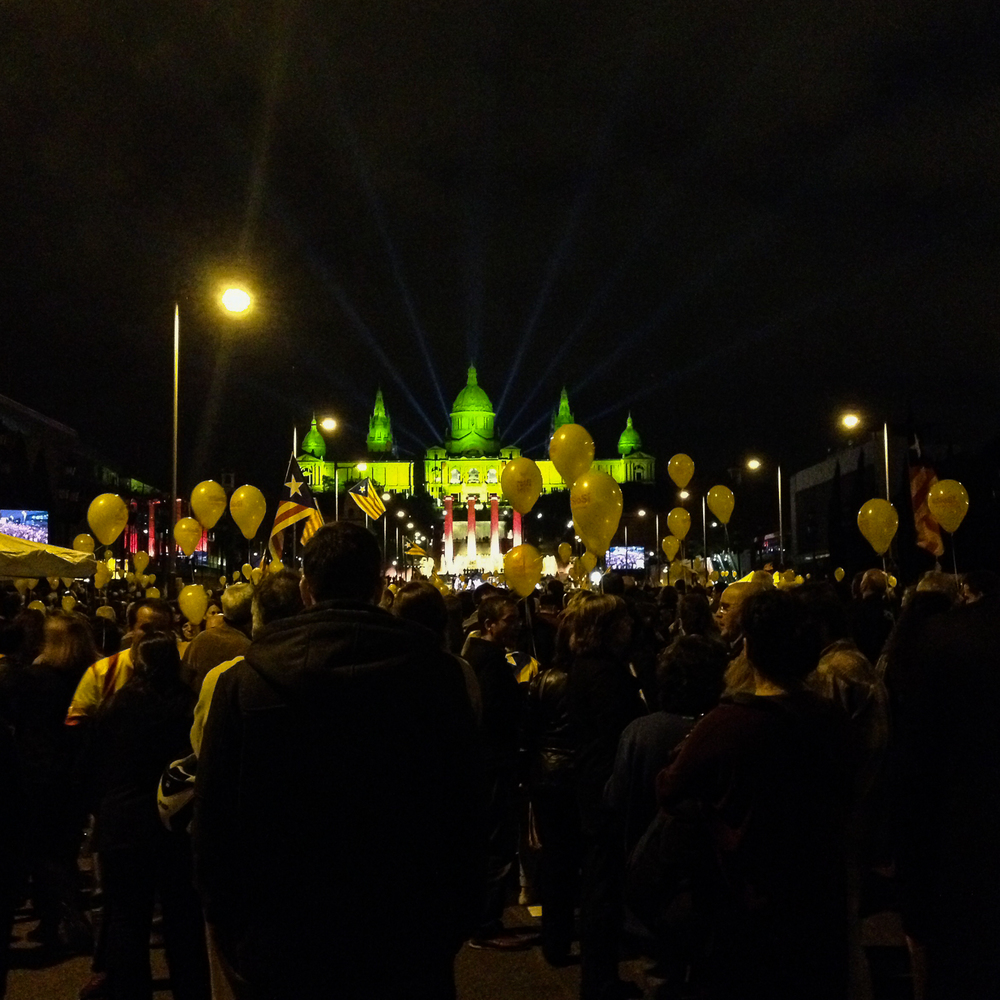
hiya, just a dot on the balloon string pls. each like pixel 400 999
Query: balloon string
pixel 954 557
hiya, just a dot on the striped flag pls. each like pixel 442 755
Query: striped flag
pixel 922 478
pixel 366 497
pixel 297 504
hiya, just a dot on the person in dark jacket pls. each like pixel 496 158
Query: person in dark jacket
pixel 136 733
pixel 501 702
pixel 550 747
pixel 337 796
pixel 603 699
pixel 769 773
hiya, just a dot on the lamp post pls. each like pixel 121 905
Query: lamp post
pixel 236 301
pixel 754 464
pixel 851 420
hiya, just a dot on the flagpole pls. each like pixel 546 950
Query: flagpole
pixel 336 492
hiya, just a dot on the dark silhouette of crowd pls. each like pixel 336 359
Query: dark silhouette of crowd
pixel 331 785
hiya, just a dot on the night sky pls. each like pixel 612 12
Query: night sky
pixel 732 219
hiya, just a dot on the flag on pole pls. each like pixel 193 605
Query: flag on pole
pixel 297 504
pixel 922 478
pixel 366 497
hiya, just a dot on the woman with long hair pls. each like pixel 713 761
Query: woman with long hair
pixel 141 729
pixel 604 698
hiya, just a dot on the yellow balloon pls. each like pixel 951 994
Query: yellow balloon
pixel 21 585
pixel 102 576
pixel 838 574
pixel 247 570
pixel 107 516
pixel 522 569
pixel 68 602
pixel 596 502
pixel 208 502
pixel 83 543
pixel 714 575
pixel 140 560
pixel 892 581
pixel 67 581
pixel 236 575
pixel 679 522
pixel 255 575
pixel 222 581
pixel 680 469
pixel 275 567
pixel 521 482
pixel 248 507
pixel 187 534
pixel 152 593
pixel 106 611
pixel 565 551
pixel 588 562
pixel 32 584
pixel 721 502
pixel 193 603
pixel 37 606
pixel 948 503
pixel 572 452
pixel 53 581
pixel 150 578
pixel 670 545
pixel 878 522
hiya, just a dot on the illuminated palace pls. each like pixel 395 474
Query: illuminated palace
pixel 462 473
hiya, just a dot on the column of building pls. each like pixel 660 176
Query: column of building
pixel 495 533
pixel 449 537
pixel 471 550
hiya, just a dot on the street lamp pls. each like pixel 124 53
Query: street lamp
pixel 753 464
pixel 851 421
pixel 328 424
pixel 236 301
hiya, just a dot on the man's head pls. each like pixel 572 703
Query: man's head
pixel 342 562
pixel 727 614
pixel 236 602
pixel 874 584
pixel 942 583
pixel 276 596
pixel 498 619
pixel 782 644
pixel 421 602
pixel 152 615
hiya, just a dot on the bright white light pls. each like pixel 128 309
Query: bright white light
pixel 684 494
pixel 362 467
pixel 754 464
pixel 715 524
pixel 328 424
pixel 386 496
pixel 236 300
pixel 850 420
pixel 409 524
pixel 595 577
pixel 400 513
pixel 641 513
pixel 538 515
pixel 569 524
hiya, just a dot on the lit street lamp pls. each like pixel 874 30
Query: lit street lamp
pixel 237 302
pixel 753 464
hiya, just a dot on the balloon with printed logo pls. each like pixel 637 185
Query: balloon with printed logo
pixel 588 562
pixel 247 570
pixel 521 482
pixel 878 522
pixel 208 503
pixel 107 516
pixel 522 569
pixel 187 534
pixel 83 543
pixel 68 602
pixel 140 560
pixel 670 545
pixel 572 452
pixel 193 603
pixel 838 574
pixel 679 522
pixel 680 469
pixel 102 576
pixel 248 507
pixel 596 503
pixel 565 551
pixel 36 606
pixel 721 502
pixel 948 502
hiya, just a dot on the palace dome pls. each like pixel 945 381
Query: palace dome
pixel 472 399
pixel 629 440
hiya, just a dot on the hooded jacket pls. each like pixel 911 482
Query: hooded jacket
pixel 337 801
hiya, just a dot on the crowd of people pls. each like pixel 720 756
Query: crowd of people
pixel 331 785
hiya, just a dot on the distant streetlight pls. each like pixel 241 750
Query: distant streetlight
pixel 362 466
pixel 684 494
pixel 400 513
pixel 850 421
pixel 641 513
pixel 328 424
pixel 236 300
pixel 753 464
pixel 409 525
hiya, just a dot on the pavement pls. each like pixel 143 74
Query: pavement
pixel 480 974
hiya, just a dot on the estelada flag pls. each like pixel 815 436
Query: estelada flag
pixel 366 497
pixel 922 478
pixel 297 504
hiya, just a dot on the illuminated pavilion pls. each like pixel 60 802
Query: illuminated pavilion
pixel 462 473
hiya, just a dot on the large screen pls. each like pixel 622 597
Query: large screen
pixel 619 557
pixel 31 525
